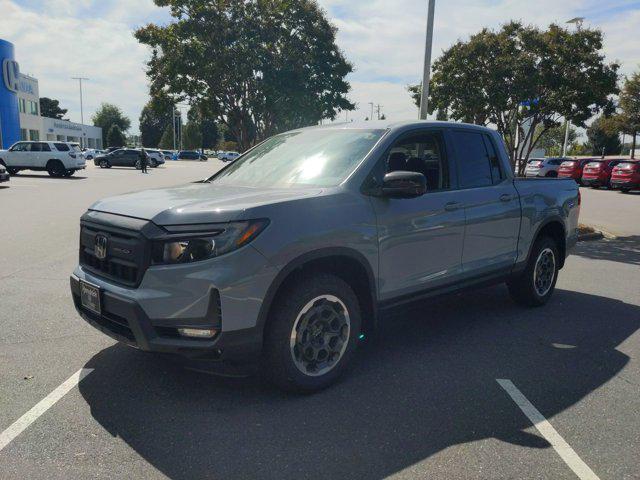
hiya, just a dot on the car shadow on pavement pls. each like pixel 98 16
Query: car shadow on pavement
pixel 47 176
pixel 619 249
pixel 425 382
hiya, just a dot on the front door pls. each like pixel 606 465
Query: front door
pixel 420 239
pixel 491 203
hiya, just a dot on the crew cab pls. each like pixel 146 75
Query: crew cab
pixel 59 159
pixel 573 168
pixel 597 173
pixel 626 176
pixel 286 257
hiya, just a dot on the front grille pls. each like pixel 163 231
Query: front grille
pixel 127 251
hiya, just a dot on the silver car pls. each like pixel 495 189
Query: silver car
pixel 286 257
pixel 543 167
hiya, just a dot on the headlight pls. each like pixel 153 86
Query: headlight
pixel 221 239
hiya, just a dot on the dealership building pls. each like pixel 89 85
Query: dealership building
pixel 20 117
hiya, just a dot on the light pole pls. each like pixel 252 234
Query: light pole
pixel 80 79
pixel 371 117
pixel 426 75
pixel 577 21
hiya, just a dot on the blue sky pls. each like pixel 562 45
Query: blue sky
pixel 384 39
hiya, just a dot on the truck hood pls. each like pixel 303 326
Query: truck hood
pixel 197 203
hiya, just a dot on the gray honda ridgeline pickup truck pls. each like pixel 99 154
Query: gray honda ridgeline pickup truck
pixel 287 256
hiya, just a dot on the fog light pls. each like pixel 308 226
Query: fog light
pixel 198 332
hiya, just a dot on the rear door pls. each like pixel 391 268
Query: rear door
pixel 117 158
pixel 420 239
pixel 491 205
pixel 45 154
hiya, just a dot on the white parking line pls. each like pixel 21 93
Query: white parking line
pixel 558 443
pixel 42 406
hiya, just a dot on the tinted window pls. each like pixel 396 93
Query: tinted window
pixel 424 154
pixel 45 147
pixel 19 147
pixel 496 170
pixel 474 165
pixel 61 147
pixel 35 147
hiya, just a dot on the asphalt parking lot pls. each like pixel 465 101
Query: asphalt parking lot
pixel 423 400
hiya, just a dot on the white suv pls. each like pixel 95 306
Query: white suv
pixel 543 167
pixel 59 159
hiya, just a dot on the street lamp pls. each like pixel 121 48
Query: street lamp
pixel 80 79
pixel 426 74
pixel 577 21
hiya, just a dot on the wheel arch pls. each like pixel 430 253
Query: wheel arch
pixel 347 264
pixel 554 228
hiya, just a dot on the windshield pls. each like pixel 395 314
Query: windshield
pixel 318 157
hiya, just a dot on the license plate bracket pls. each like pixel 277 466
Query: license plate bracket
pixel 90 297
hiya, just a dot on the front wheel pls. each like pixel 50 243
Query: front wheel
pixel 535 285
pixel 56 169
pixel 623 190
pixel 138 165
pixel 312 333
pixel 104 164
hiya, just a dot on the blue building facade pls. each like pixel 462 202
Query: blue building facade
pixel 9 115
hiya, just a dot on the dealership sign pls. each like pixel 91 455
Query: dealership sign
pixel 11 74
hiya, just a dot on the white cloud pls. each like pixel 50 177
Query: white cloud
pixel 58 39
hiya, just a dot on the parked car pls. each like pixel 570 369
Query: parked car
pixel 91 153
pixel 191 155
pixel 543 167
pixel 168 154
pixel 59 159
pixel 287 256
pixel 573 169
pixel 113 149
pixel 4 175
pixel 156 157
pixel 597 173
pixel 228 156
pixel 626 176
pixel 123 157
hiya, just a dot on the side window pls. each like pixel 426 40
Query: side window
pixel 422 153
pixel 34 147
pixel 61 147
pixel 19 147
pixel 44 147
pixel 474 166
pixel 496 171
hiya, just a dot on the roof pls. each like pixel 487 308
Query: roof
pixel 389 125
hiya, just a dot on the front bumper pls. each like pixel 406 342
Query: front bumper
pixel 624 184
pixel 124 320
pixel 5 177
pixel 593 182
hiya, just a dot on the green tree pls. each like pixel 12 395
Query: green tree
pixel 155 118
pixel 115 137
pixel 552 141
pixel 108 115
pixel 628 120
pixel 510 78
pixel 261 67
pixel 51 108
pixel 191 136
pixel 603 138
pixel 166 141
pixel 207 126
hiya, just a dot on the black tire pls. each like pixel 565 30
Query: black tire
pixel 69 173
pixel 552 174
pixel 523 288
pixel 154 163
pixel 104 164
pixel 623 190
pixel 138 165
pixel 279 365
pixel 56 169
pixel 13 171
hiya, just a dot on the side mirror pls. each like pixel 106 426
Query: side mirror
pixel 401 184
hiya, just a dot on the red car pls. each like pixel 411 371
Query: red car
pixel 626 176
pixel 573 168
pixel 597 173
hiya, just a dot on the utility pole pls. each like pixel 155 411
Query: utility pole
pixel 173 113
pixel 80 79
pixel 426 76
pixel 378 109
pixel 566 139
pixel 371 117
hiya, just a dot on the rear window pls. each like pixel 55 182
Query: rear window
pixel 475 164
pixel 593 164
pixel 568 164
pixel 626 166
pixel 61 147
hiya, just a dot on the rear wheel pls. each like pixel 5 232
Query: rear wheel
pixel 55 168
pixel 535 285
pixel 625 190
pixel 153 163
pixel 312 334
pixel 104 164
pixel 138 165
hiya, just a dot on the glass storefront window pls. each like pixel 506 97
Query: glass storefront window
pixel 24 134
pixel 34 134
